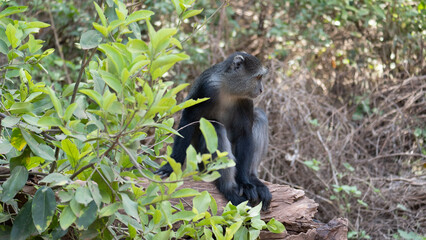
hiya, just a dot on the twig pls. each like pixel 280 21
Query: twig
pixel 58 46
pixel 207 20
pixel 80 74
pixel 81 170
pixel 330 160
pixel 395 155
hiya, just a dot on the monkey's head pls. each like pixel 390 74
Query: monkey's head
pixel 243 75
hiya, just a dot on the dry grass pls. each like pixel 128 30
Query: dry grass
pixel 385 158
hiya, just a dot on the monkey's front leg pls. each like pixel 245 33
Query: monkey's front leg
pixel 244 160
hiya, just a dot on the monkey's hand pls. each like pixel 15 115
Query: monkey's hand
pixel 264 196
pixel 164 171
pixel 248 190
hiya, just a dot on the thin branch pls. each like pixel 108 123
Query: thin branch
pixel 58 46
pixel 330 159
pixel 91 165
pixel 396 155
pixel 80 74
pixel 224 3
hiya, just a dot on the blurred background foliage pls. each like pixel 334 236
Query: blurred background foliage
pixel 345 99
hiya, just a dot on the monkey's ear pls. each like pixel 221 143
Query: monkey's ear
pixel 237 61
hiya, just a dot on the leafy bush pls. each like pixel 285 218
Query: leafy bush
pixel 78 158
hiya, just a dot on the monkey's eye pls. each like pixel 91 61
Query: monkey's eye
pixel 259 77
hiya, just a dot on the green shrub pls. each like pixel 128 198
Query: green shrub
pixel 87 146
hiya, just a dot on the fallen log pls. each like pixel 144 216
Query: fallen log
pixel 289 206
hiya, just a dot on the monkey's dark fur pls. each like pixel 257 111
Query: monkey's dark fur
pixel 242 130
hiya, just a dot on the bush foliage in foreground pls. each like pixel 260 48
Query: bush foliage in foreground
pixel 85 148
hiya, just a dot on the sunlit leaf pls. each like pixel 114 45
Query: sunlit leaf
pixel 209 134
pixel 191 13
pixel 138 15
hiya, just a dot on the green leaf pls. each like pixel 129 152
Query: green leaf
pixel 111 80
pixel 5 146
pixel 101 14
pixel 116 108
pixel 14 183
pixel 162 106
pixel 232 230
pixel 161 39
pixel 130 206
pixel 43 208
pixel 13 35
pixel 67 218
pixel 48 121
pixel 71 151
pixel 90 39
pixel 36 24
pixel 186 192
pixel 255 211
pixel 242 234
pixel 254 234
pixel 34 45
pixel 183 215
pixel 275 226
pixel 70 110
pixel 96 194
pixel 108 99
pixel 167 60
pixel 56 103
pixel 56 179
pixel 109 210
pixel 88 216
pixel 10 121
pixel 40 150
pixel 417 132
pixel 209 134
pixel 138 15
pixel 176 90
pixel 45 54
pixel 114 55
pixel 213 205
pixel 188 103
pixel 201 202
pixel 3 47
pixel 21 107
pixel 76 207
pixel 101 29
pixel 208 177
pixel 257 223
pixel 23 226
pixel 362 203
pixel 137 46
pixel 17 140
pixel 95 96
pixel 83 196
pixel 12 10
pixel 115 24
pixel 165 235
pixel 178 6
pixel 191 13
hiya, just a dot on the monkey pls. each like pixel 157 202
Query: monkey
pixel 242 129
